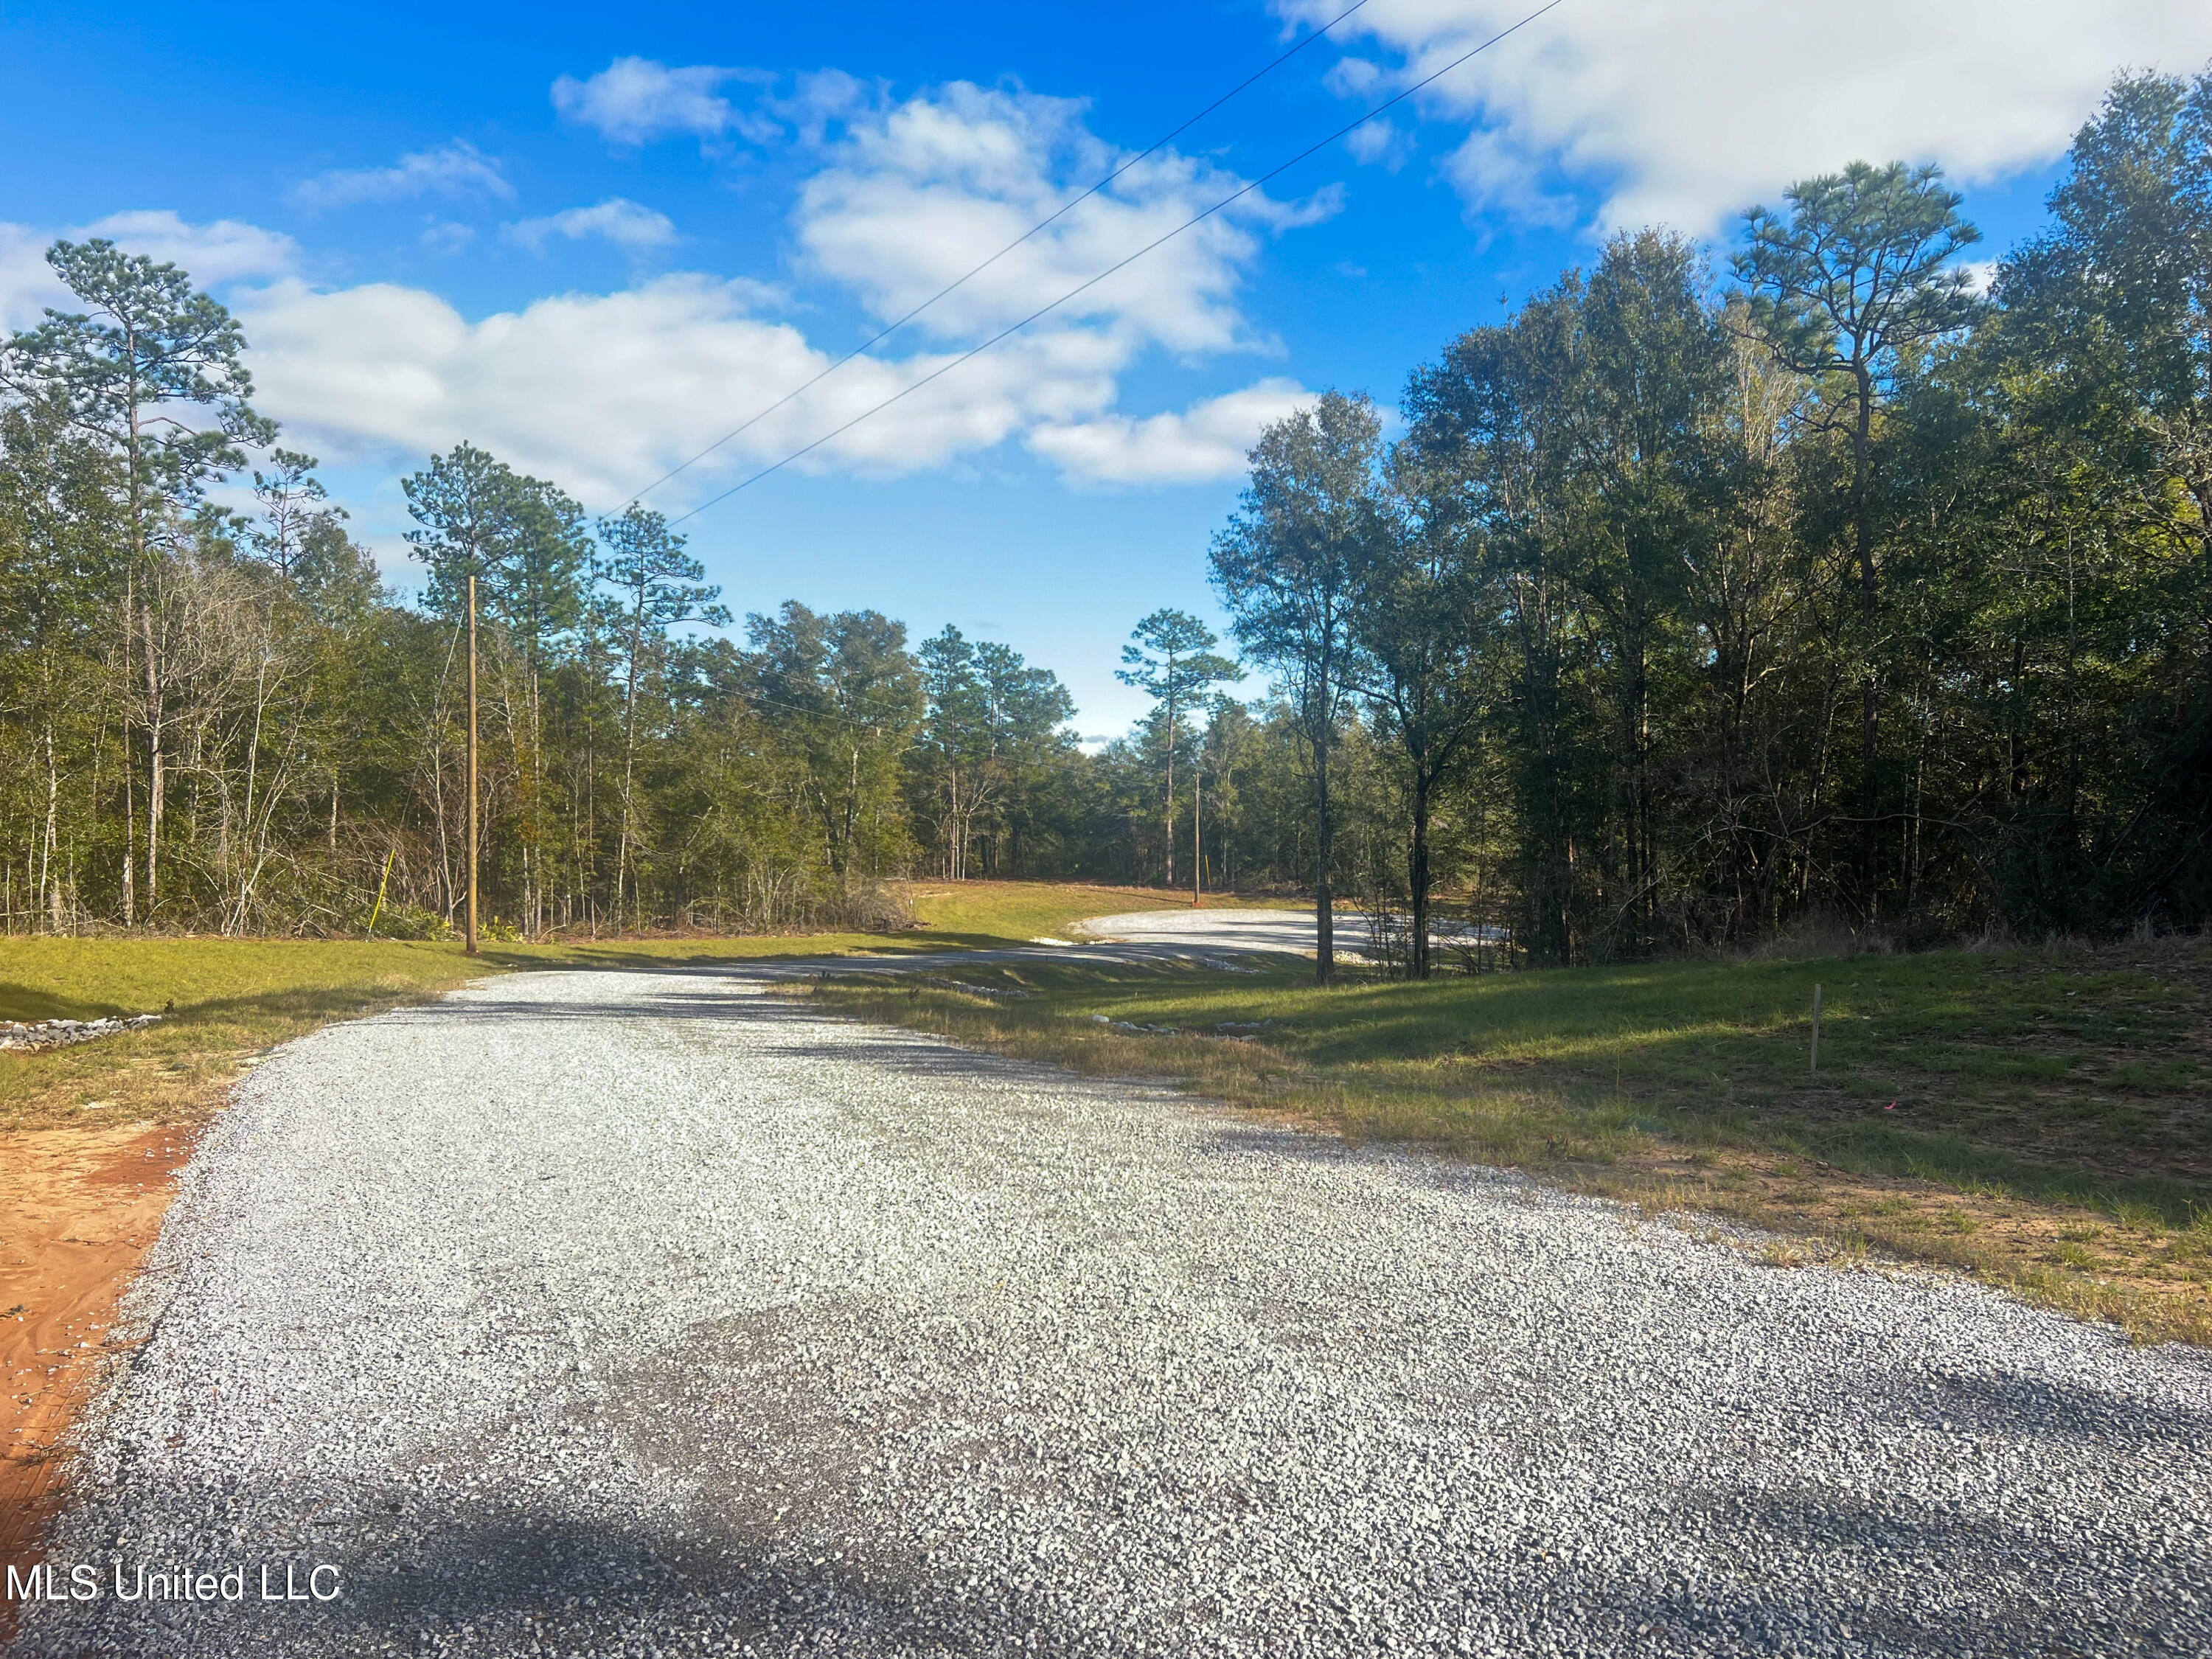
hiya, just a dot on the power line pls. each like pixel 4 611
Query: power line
pixel 1062 212
pixel 1080 288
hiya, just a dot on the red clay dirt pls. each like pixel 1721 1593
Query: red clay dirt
pixel 79 1209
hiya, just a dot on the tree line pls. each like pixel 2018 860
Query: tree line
pixel 1685 612
pixel 1675 609
pixel 220 718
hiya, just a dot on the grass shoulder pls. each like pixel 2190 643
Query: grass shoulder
pixel 2040 1120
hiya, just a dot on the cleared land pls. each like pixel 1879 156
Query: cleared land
pixel 640 1313
pixel 2051 1130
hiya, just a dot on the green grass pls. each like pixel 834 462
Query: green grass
pixel 2014 1071
pixel 2028 1087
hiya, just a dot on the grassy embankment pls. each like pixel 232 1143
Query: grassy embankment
pixel 2051 1131
pixel 235 998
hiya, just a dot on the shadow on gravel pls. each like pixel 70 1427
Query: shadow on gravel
pixel 2042 1408
pixel 539 1583
pixel 1912 1570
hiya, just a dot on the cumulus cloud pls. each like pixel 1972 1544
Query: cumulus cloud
pixel 1685 113
pixel 227 251
pixel 456 169
pixel 634 228
pixel 1380 142
pixel 634 101
pixel 914 192
pixel 1209 440
pixel 605 391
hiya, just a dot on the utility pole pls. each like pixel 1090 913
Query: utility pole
pixel 472 764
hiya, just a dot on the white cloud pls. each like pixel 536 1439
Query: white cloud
pixel 1492 169
pixel 227 251
pixel 1380 142
pixel 602 393
pixel 1208 441
pixel 1685 113
pixel 915 193
pixel 635 100
pixel 456 169
pixel 618 220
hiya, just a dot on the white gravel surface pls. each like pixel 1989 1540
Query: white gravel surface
pixel 609 1314
pixel 1185 930
pixel 1226 930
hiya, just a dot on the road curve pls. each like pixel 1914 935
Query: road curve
pixel 646 1313
pixel 1289 931
pixel 1236 932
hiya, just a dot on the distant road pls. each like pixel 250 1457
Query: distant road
pixel 1226 930
pixel 1246 930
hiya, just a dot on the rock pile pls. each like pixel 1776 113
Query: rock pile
pixel 60 1033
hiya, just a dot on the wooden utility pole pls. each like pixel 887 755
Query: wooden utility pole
pixel 472 764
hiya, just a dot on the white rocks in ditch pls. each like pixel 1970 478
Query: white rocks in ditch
pixel 60 1033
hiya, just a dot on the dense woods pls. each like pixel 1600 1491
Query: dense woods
pixel 1684 607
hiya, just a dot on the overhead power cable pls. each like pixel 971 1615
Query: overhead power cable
pixel 1080 288
pixel 1058 214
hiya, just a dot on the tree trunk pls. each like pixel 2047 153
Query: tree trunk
pixel 130 782
pixel 1167 811
pixel 156 785
pixel 629 755
pixel 475 838
pixel 53 813
pixel 1417 871
pixel 153 792
pixel 1197 834
pixel 1324 856
pixel 1862 534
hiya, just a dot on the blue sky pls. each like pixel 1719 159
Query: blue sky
pixel 593 240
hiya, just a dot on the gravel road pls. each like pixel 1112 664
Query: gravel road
pixel 1185 931
pixel 648 1314
pixel 1227 930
